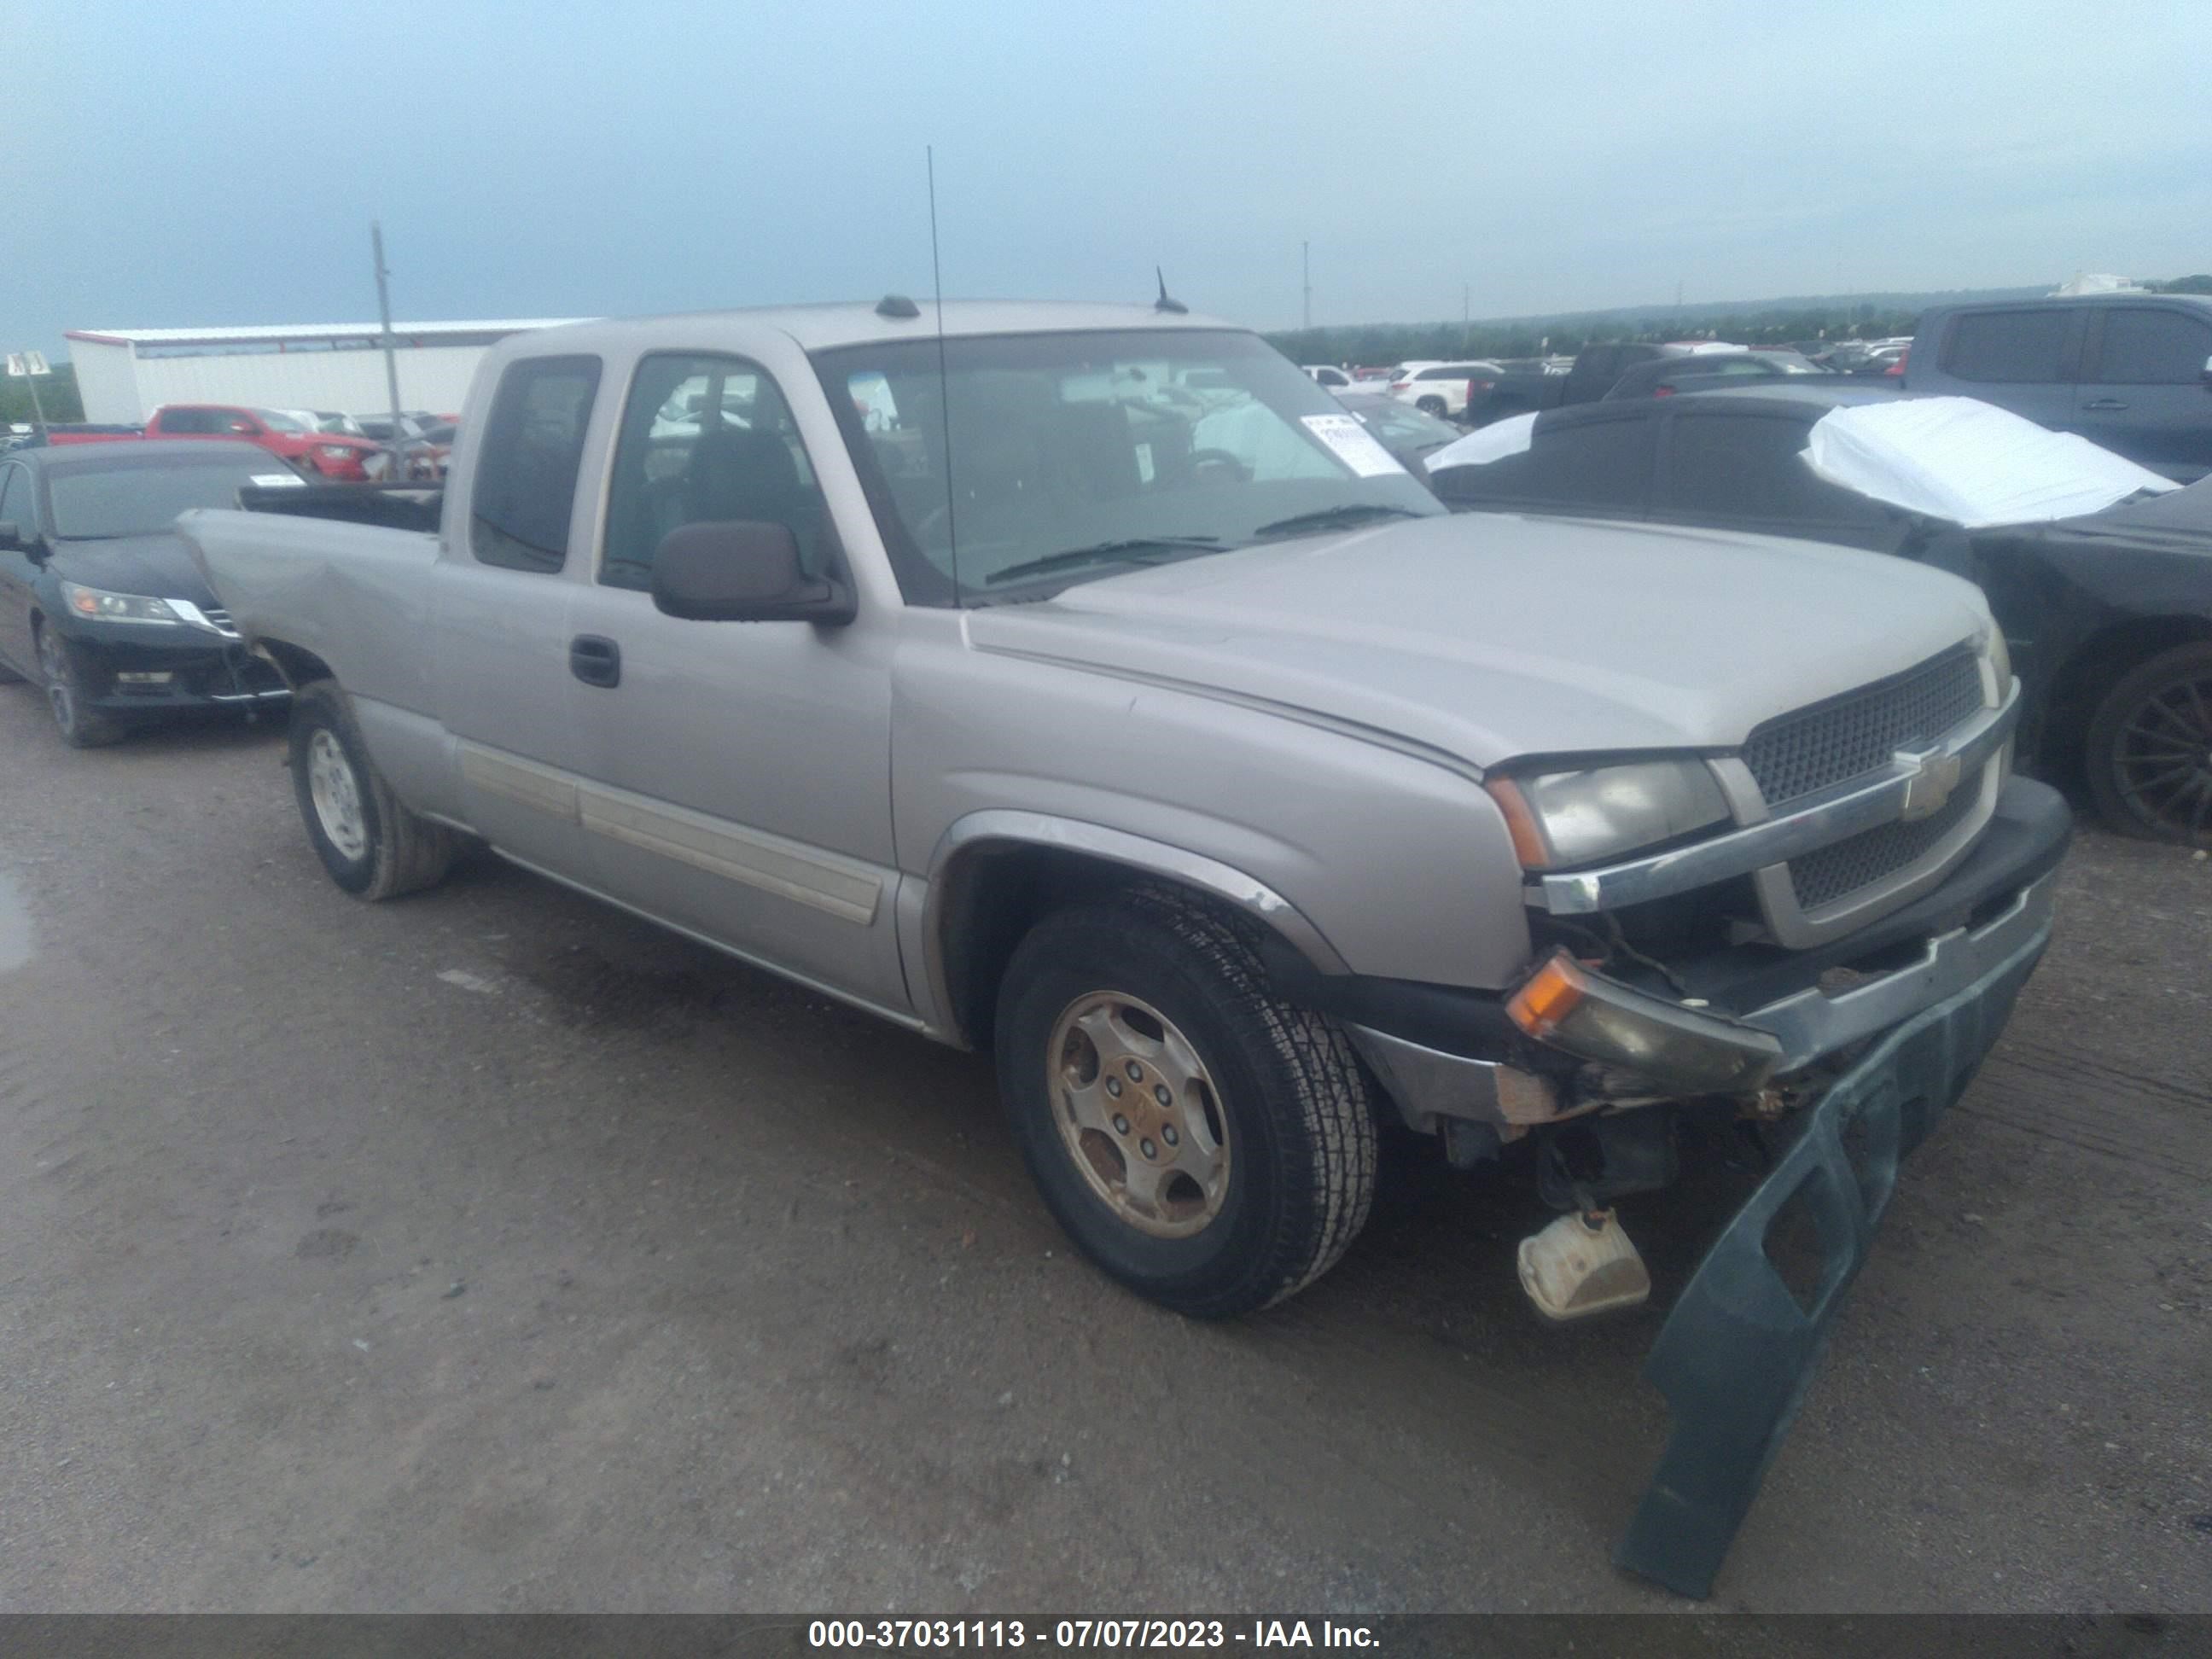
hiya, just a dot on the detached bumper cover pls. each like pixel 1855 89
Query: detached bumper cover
pixel 1737 1355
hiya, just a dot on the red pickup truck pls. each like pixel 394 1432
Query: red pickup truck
pixel 324 454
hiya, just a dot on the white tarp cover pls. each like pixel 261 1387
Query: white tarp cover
pixel 1968 461
pixel 1486 444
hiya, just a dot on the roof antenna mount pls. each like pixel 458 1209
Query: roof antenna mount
pixel 1174 306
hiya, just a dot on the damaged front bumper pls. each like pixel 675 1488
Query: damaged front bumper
pixel 1754 1014
pixel 1861 1045
pixel 1737 1355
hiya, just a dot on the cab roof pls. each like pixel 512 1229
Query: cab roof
pixel 817 327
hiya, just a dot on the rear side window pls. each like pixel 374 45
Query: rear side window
pixel 1751 466
pixel 1603 464
pixel 525 488
pixel 194 420
pixel 2146 346
pixel 2009 346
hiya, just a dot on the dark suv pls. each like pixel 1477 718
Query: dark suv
pixel 2132 372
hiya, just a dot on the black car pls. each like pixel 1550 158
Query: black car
pixel 100 602
pixel 2108 615
pixel 1410 435
pixel 1662 377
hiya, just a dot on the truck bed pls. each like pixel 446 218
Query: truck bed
pixel 353 597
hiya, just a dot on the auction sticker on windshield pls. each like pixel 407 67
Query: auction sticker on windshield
pixel 276 480
pixel 1353 444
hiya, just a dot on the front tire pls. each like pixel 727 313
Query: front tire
pixel 1202 1141
pixel 79 727
pixel 2148 755
pixel 371 844
pixel 1430 406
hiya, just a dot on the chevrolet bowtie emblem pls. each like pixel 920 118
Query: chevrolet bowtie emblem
pixel 1931 776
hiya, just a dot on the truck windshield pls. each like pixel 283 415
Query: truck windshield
pixel 1122 448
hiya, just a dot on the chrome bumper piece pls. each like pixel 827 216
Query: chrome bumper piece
pixel 1812 1023
pixel 1428 1083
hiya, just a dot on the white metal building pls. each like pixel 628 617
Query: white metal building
pixel 125 374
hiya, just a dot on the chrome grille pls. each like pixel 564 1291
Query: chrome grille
pixel 1813 748
pixel 1842 868
pixel 220 618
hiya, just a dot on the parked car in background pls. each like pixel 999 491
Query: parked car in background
pixel 100 604
pixel 63 432
pixel 2129 371
pixel 1663 377
pixel 302 447
pixel 1410 434
pixel 1595 370
pixel 423 457
pixel 332 420
pixel 2107 610
pixel 1327 374
pixel 1440 388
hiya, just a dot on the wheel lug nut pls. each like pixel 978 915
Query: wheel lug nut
pixel 1169 1134
pixel 1147 1148
pixel 1113 1086
pixel 1120 1124
pixel 1136 1072
pixel 1160 1093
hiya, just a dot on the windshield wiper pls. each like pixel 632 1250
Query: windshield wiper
pixel 1122 549
pixel 1328 518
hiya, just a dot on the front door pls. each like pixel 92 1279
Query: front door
pixel 739 773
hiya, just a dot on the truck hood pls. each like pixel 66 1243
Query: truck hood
pixel 1489 636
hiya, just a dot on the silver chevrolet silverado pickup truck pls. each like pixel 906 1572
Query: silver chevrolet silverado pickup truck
pixel 1081 684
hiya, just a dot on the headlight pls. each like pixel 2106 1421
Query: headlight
pixel 1564 819
pixel 2000 661
pixel 100 606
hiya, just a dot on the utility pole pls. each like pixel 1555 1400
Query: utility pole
pixel 1305 276
pixel 391 357
pixel 1466 319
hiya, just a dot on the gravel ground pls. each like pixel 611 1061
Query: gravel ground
pixel 491 1251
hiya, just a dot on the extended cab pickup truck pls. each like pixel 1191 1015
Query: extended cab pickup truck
pixel 1182 750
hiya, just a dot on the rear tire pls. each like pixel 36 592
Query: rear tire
pixel 1430 406
pixel 371 844
pixel 2148 753
pixel 1235 1160
pixel 65 687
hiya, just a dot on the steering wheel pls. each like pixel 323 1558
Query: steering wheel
pixel 1221 461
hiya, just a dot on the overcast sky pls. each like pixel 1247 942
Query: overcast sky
pixel 182 162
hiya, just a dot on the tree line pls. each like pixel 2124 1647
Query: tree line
pixel 1531 336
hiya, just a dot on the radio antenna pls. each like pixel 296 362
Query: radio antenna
pixel 944 390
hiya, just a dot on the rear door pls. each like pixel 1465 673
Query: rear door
pixel 2023 359
pixel 2144 392
pixel 505 585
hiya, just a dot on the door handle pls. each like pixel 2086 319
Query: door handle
pixel 595 660
pixel 2100 404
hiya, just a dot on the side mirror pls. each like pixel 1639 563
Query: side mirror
pixel 11 533
pixel 742 570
